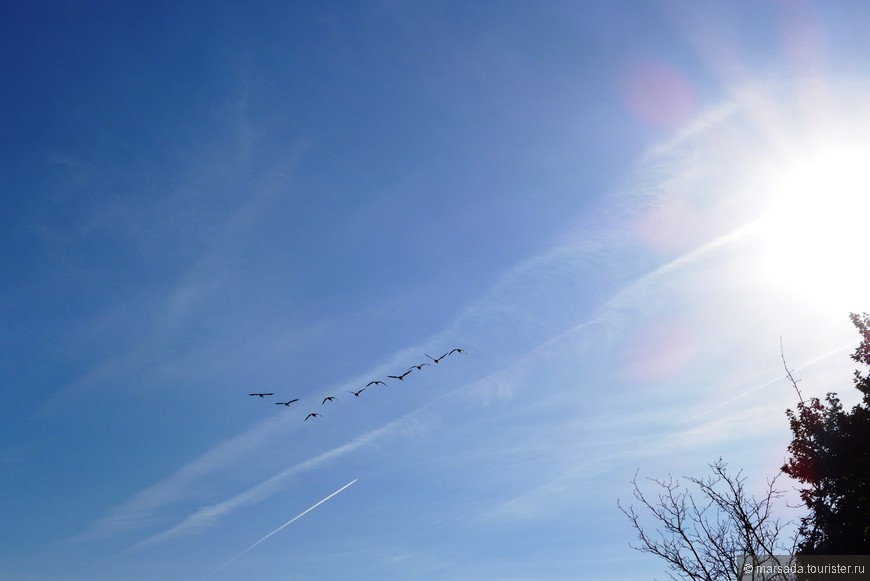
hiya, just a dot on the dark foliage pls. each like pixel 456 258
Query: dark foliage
pixel 830 453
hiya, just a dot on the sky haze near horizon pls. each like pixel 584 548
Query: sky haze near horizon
pixel 616 208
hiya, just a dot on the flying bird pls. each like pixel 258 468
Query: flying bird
pixel 312 415
pixel 356 393
pixel 287 403
pixel 400 377
pixel 419 367
pixel 261 394
pixel 457 350
pixel 328 398
pixel 436 360
pixel 376 382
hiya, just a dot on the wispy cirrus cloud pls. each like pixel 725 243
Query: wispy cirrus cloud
pixel 144 508
pixel 500 384
pixel 531 313
pixel 528 302
pixel 209 516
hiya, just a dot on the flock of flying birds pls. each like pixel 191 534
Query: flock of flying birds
pixel 374 382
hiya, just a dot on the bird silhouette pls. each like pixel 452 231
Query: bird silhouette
pixel 457 350
pixel 328 398
pixel 356 393
pixel 261 394
pixel 419 367
pixel 376 382
pixel 436 360
pixel 312 415
pixel 287 403
pixel 400 377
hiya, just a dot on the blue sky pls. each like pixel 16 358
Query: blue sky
pixel 616 208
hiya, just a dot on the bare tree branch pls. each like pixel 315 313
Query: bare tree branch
pixel 705 530
pixel 788 374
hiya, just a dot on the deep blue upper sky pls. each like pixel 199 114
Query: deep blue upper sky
pixel 199 201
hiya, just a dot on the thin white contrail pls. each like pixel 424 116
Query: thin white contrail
pixel 298 516
pixel 772 381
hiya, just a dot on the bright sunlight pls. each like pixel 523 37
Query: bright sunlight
pixel 815 232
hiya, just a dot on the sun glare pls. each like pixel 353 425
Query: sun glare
pixel 815 232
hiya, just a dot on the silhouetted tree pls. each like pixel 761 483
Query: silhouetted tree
pixel 704 531
pixel 830 452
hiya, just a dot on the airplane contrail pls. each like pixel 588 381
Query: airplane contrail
pixel 298 516
pixel 772 381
